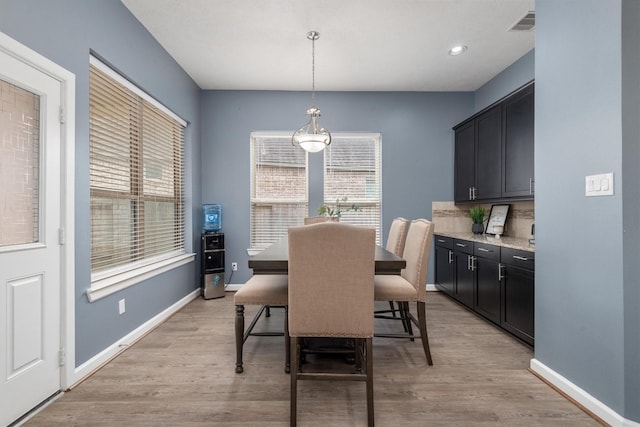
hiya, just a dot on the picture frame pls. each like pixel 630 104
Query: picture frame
pixel 497 216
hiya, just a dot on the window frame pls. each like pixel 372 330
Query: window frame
pixel 255 248
pixel 112 279
pixel 361 202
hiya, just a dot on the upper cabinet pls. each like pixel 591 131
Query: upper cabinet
pixel 494 157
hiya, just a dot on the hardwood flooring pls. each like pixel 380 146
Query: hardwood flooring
pixel 182 374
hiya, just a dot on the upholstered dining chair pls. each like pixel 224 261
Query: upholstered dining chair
pixel 265 290
pixel 395 243
pixel 410 286
pixel 331 269
pixel 315 219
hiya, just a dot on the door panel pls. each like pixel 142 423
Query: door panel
pixel 30 256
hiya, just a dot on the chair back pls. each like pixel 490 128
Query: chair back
pixel 397 235
pixel 331 271
pixel 315 219
pixel 417 248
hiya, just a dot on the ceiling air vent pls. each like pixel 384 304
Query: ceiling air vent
pixel 527 23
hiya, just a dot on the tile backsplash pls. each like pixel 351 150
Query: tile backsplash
pixel 451 218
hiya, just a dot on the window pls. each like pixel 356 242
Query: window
pixel 279 197
pixel 352 170
pixel 136 178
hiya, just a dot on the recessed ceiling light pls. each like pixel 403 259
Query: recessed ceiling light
pixel 457 50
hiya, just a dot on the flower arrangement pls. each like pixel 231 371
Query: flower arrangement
pixel 339 208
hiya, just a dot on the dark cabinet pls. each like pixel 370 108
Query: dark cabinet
pixel 495 282
pixel 518 293
pixel 518 148
pixel 487 292
pixel 465 272
pixel 465 162
pixel 488 154
pixel 494 157
pixel 444 265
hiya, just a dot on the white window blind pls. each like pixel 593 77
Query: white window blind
pixel 279 197
pixel 136 175
pixel 352 169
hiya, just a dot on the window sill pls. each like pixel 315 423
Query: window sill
pixel 112 284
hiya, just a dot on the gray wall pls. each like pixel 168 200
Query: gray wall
pixel 587 248
pixel 631 202
pixel 508 80
pixel 64 31
pixel 417 149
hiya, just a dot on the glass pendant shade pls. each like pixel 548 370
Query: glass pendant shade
pixel 311 137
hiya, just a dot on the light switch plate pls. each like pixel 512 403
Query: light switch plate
pixel 599 185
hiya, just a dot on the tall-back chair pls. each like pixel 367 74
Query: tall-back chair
pixel 395 243
pixel 265 290
pixel 397 235
pixel 410 286
pixel 315 219
pixel 331 270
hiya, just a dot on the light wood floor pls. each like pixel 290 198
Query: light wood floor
pixel 182 374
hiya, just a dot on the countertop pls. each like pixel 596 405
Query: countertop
pixel 504 241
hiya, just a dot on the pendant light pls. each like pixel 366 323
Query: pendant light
pixel 311 137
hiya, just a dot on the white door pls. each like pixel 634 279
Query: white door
pixel 30 254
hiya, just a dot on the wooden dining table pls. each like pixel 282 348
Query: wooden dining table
pixel 275 260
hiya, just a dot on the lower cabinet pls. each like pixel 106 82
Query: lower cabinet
pixel 487 295
pixel 444 269
pixel 495 282
pixel 465 272
pixel 518 294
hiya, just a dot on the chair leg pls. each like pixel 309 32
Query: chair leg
pixel 369 362
pixel 422 321
pixel 267 312
pixel 293 409
pixel 393 308
pixel 239 337
pixel 287 347
pixel 407 318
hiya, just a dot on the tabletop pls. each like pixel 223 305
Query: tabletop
pixel 275 260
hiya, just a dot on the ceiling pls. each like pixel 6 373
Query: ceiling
pixel 364 45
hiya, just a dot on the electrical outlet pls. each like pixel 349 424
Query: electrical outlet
pixel 234 266
pixel 121 308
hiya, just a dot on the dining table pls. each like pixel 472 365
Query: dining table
pixel 275 260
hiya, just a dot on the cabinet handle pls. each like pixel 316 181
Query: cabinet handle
pixel 531 181
pixel 471 263
pixel 521 258
pixel 462 245
pixel 450 257
pixel 483 250
pixel 441 241
pixel 470 194
pixel 500 271
pixel 473 193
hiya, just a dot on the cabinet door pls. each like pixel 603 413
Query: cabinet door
pixel 464 176
pixel 444 270
pixel 518 302
pixel 487 295
pixel 464 278
pixel 489 154
pixel 518 169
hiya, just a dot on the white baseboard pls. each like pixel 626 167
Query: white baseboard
pixel 432 288
pixel 583 398
pixel 96 362
pixel 232 287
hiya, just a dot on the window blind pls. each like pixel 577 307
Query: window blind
pixel 352 169
pixel 279 197
pixel 135 174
